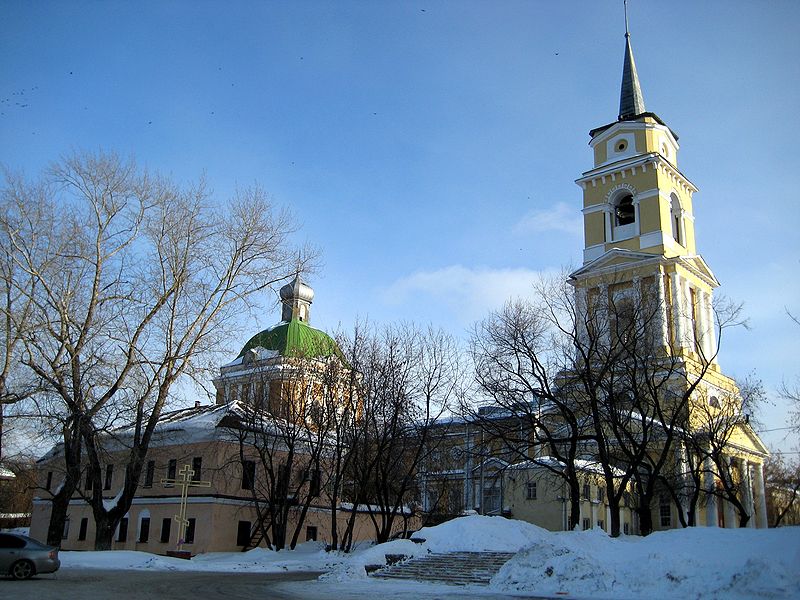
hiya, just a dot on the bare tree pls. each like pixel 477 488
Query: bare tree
pixel 408 379
pixel 783 490
pixel 286 429
pixel 15 303
pixel 517 360
pixel 133 279
pixel 717 421
pixel 596 377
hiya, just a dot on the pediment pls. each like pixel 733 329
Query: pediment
pixel 745 437
pixel 699 267
pixel 619 259
pixel 614 260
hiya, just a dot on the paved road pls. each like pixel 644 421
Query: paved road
pixel 87 584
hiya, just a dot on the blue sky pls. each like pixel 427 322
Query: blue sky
pixel 429 149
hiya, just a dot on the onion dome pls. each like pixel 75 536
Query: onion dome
pixel 294 339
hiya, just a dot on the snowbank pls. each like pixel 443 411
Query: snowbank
pixel 352 565
pixel 699 562
pixel 686 563
pixel 481 534
pixel 702 562
pixel 310 556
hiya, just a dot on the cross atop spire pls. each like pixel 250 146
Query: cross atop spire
pixel 631 101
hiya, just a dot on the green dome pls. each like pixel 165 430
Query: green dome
pixel 294 338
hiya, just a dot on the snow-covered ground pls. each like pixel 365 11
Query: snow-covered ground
pixel 310 556
pixel 698 562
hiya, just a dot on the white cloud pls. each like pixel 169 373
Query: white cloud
pixel 467 293
pixel 561 218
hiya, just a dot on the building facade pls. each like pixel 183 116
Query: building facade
pixel 240 451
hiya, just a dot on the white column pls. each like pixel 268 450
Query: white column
pixel 731 518
pixel 711 333
pixel 661 321
pixel 678 305
pixel 761 496
pixel 581 315
pixel 748 493
pixel 608 219
pixel 711 499
pixel 602 316
pixel 594 514
pixel 681 462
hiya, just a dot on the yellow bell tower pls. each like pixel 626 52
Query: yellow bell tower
pixel 639 251
pixel 639 223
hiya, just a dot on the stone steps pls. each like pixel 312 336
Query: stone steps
pixel 457 568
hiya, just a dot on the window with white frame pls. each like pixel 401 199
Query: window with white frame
pixel 530 492
pixel 665 512
pixel 676 219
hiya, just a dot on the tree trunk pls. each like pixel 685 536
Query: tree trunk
pixel 58 516
pixel 574 505
pixel 104 532
pixel 645 517
pixel 613 505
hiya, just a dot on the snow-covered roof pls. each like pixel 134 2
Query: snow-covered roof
pixel 7 473
pixel 587 466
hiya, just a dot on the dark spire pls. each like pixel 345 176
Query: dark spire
pixel 631 101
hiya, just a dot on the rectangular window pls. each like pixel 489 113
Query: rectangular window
pixel 601 524
pixel 65 533
pixel 601 493
pixel 109 477
pixel 248 474
pixel 197 467
pixel 122 530
pixel 625 529
pixel 586 491
pixel 189 532
pixel 83 529
pixel 243 533
pixel 311 534
pixel 165 530
pixel 314 484
pixel 49 483
pixel 665 513
pixel 144 530
pixel 149 473
pixel 283 475
pixel 530 493
pixel 172 470
pixel 586 524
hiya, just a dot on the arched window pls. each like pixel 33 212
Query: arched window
pixel 675 212
pixel 624 211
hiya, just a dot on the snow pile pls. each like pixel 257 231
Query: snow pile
pixel 686 563
pixel 352 566
pixel 310 556
pixel 119 559
pixel 481 534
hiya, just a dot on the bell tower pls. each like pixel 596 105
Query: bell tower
pixel 638 220
pixel 635 197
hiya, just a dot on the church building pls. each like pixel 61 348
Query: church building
pixel 640 250
pixel 236 452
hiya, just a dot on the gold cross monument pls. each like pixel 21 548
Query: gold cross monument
pixel 185 482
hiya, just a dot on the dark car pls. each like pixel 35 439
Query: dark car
pixel 23 557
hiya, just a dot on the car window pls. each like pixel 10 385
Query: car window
pixel 11 541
